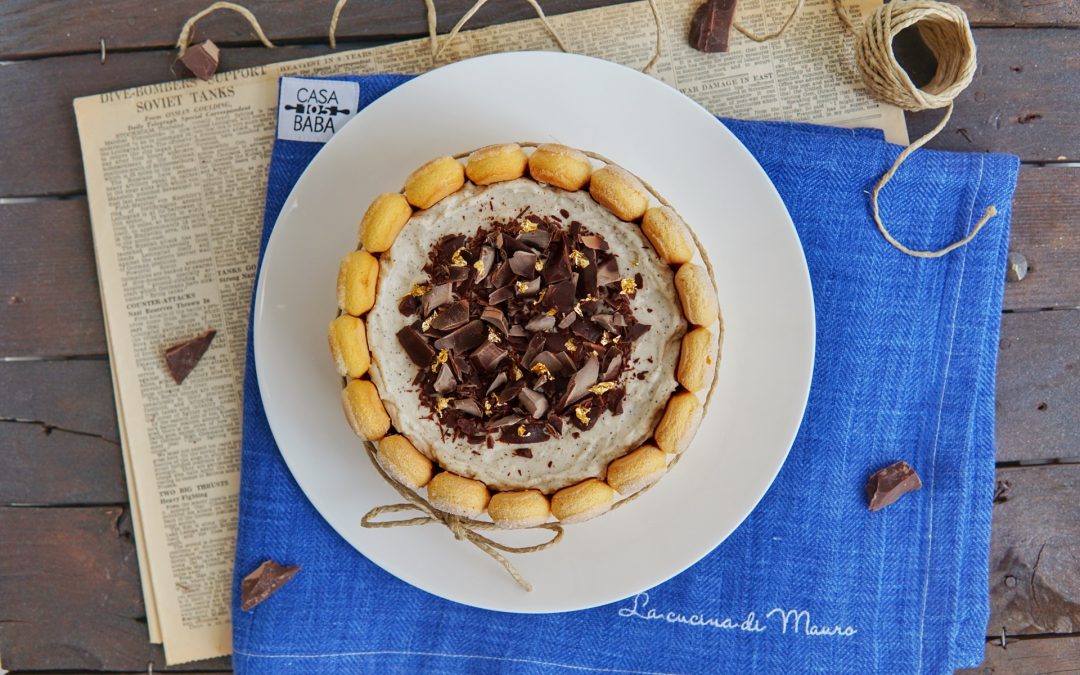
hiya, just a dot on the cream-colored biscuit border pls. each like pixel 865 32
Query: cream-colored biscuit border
pixel 462 496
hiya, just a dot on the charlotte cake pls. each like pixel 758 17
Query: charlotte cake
pixel 534 340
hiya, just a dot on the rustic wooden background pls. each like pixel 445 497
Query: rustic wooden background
pixel 69 588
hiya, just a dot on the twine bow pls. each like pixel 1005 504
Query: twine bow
pixel 464 529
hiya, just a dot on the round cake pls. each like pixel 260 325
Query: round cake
pixel 530 335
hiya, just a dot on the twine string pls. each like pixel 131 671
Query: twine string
pixel 186 31
pixel 756 37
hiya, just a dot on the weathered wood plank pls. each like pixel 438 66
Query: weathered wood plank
pixel 1038 386
pixel 1034 557
pixel 49 302
pixel 70 595
pixel 1046 230
pixel 130 24
pixel 1030 657
pixel 58 437
pixel 988 112
pixel 1022 100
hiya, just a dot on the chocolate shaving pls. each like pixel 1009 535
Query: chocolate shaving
pixel 523 452
pixel 527 288
pixel 467 406
pixel 891 483
pixel 594 242
pixel 487 259
pixel 607 272
pixel 182 358
pixel 567 321
pixel 544 322
pixel 613 366
pixel 505 421
pixel 263 582
pixel 580 383
pixel 710 27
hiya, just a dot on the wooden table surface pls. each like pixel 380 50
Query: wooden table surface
pixel 69 582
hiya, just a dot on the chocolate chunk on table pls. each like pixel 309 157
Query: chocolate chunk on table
pixel 182 358
pixel 266 580
pixel 202 59
pixel 891 483
pixel 711 25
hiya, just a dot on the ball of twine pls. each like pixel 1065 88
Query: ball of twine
pixel 947 34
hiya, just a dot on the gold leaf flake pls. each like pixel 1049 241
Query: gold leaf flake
pixel 427 322
pixel 516 372
pixel 487 406
pixel 578 259
pixel 540 369
pixel 570 346
pixel 440 359
pixel 615 340
pixel 456 260
pixel 582 413
pixel 521 286
pixel 628 285
pixel 493 336
pixel 521 430
pixel 441 404
pixel 479 266
pixel 539 266
pixel 551 312
pixel 528 226
pixel 605 338
pixel 602 387
pixel 418 290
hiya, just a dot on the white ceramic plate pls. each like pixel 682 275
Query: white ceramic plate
pixel 691 159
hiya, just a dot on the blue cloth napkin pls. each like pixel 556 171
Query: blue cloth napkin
pixel 811 581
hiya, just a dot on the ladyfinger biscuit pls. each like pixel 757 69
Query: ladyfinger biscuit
pixel 496 163
pixel 348 346
pixel 457 495
pixel 697 295
pixel 400 459
pixel 640 468
pixel 560 166
pixel 618 190
pixel 438 178
pixel 364 410
pixel 697 359
pixel 356 281
pixel 383 221
pixel 583 501
pixel 668 234
pixel 679 423
pixel 520 508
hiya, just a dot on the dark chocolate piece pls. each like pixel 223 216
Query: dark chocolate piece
pixel 560 296
pixel 544 322
pixel 499 381
pixel 567 321
pixel 467 406
pixel 891 483
pixel 452 316
pixel 538 238
pixel 613 366
pixel 580 382
pixel 607 272
pixel 416 346
pixel 523 263
pixel 711 25
pixel 501 295
pixel 517 331
pixel 266 580
pixel 487 259
pixel 594 242
pixel 465 338
pixel 444 381
pixel 605 321
pixel 505 421
pixel 527 288
pixel 436 297
pixel 182 358
pixel 202 59
pixel 495 317
pixel 533 402
pixel 548 360
pixel 488 356
pixel 523 452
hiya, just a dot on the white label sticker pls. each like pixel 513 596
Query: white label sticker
pixel 314 110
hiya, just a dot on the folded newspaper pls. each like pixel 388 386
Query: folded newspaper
pixel 176 174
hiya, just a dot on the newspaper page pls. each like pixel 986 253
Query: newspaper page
pixel 176 177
